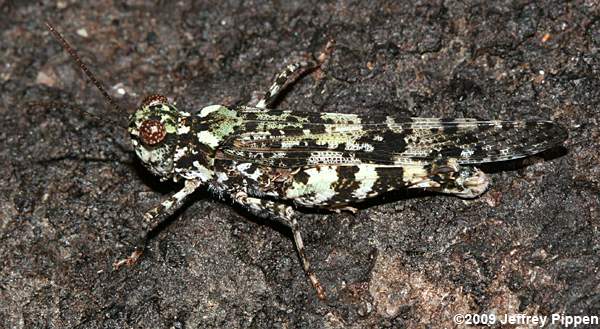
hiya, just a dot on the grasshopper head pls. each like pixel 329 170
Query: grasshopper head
pixel 153 129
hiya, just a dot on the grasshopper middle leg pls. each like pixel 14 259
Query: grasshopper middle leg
pixel 284 213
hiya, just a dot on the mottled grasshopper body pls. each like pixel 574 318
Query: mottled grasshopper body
pixel 269 161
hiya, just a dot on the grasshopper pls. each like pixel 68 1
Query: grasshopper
pixel 270 161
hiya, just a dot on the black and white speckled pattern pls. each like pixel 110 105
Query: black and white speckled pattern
pixel 333 160
pixel 267 161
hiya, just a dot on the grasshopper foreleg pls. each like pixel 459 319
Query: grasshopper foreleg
pixel 155 216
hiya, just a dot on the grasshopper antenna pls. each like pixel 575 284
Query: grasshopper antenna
pixel 66 46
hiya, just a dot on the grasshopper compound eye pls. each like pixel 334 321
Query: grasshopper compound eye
pixel 152 132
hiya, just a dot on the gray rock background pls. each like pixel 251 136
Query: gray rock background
pixel 72 193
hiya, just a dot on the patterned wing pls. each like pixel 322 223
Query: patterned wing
pixel 294 139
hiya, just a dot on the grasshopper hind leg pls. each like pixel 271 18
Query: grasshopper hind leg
pixel 469 183
pixel 449 177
